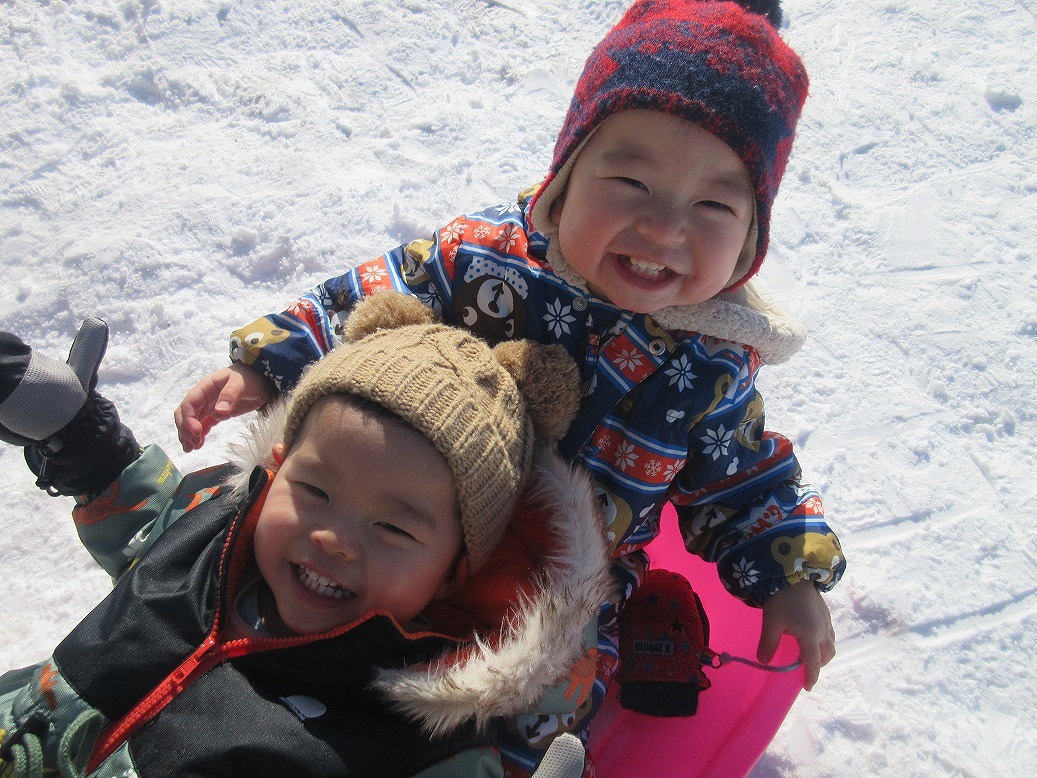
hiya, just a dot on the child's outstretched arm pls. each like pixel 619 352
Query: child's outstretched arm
pixel 270 353
pixel 800 611
pixel 221 395
pixel 76 445
pixel 279 346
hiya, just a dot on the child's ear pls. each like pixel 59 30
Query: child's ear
pixel 454 580
pixel 278 453
pixel 554 213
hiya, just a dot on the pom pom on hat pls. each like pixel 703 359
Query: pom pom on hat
pixel 548 379
pixel 482 408
pixel 771 9
pixel 716 63
pixel 391 311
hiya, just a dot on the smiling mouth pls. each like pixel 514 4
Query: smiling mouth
pixel 650 271
pixel 321 585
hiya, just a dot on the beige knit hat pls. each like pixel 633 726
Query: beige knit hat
pixel 481 407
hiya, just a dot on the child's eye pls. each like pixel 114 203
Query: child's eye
pixel 395 530
pixel 718 206
pixel 313 491
pixel 632 182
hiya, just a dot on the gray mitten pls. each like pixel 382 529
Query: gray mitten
pixel 74 442
pixel 39 395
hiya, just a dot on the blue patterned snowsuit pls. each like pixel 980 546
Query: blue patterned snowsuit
pixel 666 416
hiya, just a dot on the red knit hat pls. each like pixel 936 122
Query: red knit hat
pixel 719 64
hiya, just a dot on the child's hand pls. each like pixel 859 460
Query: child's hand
pixel 799 610
pixel 228 392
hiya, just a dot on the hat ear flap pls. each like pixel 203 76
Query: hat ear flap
pixel 386 311
pixel 549 382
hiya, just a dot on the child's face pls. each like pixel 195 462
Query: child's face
pixel 655 213
pixel 361 516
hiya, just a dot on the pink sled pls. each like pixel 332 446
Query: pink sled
pixel 737 716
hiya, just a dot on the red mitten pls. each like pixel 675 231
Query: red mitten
pixel 663 644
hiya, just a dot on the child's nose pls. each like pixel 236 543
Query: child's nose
pixel 664 226
pixel 337 541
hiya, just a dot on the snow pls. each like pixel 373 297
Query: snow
pixel 178 168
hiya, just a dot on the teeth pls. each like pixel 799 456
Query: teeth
pixel 644 267
pixel 322 585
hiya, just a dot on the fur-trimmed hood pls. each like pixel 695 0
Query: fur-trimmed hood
pixel 521 619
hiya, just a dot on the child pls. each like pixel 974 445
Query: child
pixel 635 254
pixel 316 618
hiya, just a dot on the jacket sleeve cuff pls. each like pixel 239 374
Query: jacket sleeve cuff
pixel 754 571
pixel 114 525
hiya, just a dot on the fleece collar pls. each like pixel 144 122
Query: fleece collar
pixel 743 316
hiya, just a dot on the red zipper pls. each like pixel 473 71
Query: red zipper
pixel 209 654
pixel 204 658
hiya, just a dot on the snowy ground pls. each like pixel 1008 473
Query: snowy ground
pixel 180 167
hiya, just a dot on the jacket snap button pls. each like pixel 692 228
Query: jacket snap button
pixel 580 304
pixel 657 347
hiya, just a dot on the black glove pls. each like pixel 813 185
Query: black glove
pixel 74 442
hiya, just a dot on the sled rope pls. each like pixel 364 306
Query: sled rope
pixel 719 660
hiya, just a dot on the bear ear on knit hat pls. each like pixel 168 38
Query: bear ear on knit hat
pixel 549 381
pixel 386 311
